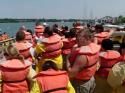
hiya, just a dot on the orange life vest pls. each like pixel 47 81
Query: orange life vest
pixel 68 43
pixel 23 48
pixel 92 53
pixel 14 74
pixel 53 45
pixel 101 36
pixel 52 81
pixel 107 60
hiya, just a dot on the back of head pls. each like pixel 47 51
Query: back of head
pixel 38 23
pixel 20 35
pixel 73 32
pixel 48 31
pixel 99 28
pixel 84 37
pixel 66 28
pixel 30 31
pixel 13 53
pixel 67 34
pixel 107 44
pixel 85 33
pixel 22 28
pixel 49 65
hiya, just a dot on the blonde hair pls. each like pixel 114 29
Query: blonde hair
pixel 13 53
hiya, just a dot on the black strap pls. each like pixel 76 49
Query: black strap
pixel 91 65
pixel 56 89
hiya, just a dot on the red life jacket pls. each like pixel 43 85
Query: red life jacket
pixel 68 43
pixel 107 60
pixel 92 53
pixel 101 36
pixel 23 48
pixel 53 81
pixel 53 45
pixel 14 74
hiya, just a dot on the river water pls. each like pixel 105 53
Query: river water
pixel 12 28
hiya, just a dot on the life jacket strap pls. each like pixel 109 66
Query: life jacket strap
pixel 56 89
pixel 4 81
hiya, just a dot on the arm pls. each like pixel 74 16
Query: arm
pixel 30 76
pixel 35 88
pixel 79 63
pixel 111 32
pixel 70 88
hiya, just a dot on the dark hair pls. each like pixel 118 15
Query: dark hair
pixel 99 28
pixel 49 65
pixel 73 32
pixel 38 23
pixel 55 30
pixel 107 44
pixel 30 31
pixel 48 31
pixel 66 28
pixel 20 35
pixel 67 34
pixel 55 26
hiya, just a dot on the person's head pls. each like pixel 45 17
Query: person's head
pixel 55 26
pixel 11 52
pixel 30 31
pixel 22 28
pixel 48 31
pixel 20 36
pixel 39 28
pixel 49 65
pixel 107 44
pixel 73 32
pixel 67 34
pixel 99 28
pixel 84 37
pixel 66 28
pixel 38 23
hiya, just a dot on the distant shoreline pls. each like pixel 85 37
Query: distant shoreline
pixel 11 20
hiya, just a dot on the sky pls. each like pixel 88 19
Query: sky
pixel 61 9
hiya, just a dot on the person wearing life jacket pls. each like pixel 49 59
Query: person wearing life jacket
pixel 49 48
pixel 108 58
pixel 15 73
pixel 116 77
pixel 39 29
pixel 2 57
pixel 52 80
pixel 68 42
pixel 101 34
pixel 5 36
pixel 23 46
pixel 82 62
